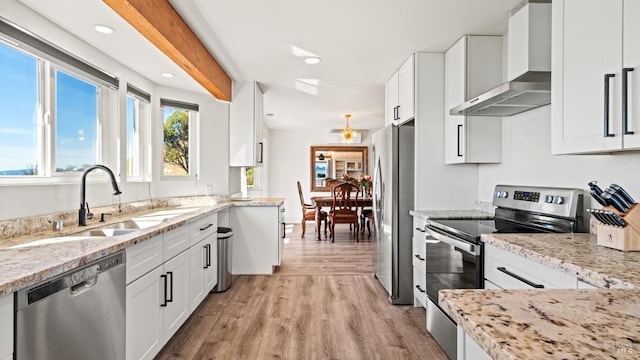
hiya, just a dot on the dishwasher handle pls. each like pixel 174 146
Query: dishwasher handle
pixel 77 281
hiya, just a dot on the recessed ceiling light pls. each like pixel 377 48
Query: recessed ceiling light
pixel 167 74
pixel 312 60
pixel 104 29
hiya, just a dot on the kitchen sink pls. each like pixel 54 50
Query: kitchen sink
pixel 120 228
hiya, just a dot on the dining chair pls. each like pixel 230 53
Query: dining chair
pixel 330 183
pixel 309 213
pixel 344 209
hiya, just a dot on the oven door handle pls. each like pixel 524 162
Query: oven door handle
pixel 445 238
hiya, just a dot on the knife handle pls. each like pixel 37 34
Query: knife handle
pixel 623 192
pixel 594 187
pixel 613 202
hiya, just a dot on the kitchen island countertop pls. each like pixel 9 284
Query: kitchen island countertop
pixel 556 323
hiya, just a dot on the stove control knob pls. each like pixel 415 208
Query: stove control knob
pixel 559 200
pixel 502 194
pixel 548 199
pixel 497 194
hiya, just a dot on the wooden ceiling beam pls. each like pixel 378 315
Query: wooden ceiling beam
pixel 161 24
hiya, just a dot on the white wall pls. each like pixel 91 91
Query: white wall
pixel 289 162
pixel 527 160
pixel 29 200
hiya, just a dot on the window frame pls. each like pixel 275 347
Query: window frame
pixel 49 59
pixel 142 106
pixel 194 148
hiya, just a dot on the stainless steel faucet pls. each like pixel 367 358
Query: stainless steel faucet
pixel 84 207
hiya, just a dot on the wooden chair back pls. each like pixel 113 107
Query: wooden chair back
pixel 304 205
pixel 345 198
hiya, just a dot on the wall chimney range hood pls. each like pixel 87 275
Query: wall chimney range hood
pixel 528 62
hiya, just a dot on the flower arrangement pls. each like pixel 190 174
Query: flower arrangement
pixel 365 181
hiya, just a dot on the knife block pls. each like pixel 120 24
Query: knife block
pixel 622 238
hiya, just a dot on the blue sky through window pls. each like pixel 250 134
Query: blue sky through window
pixel 19 104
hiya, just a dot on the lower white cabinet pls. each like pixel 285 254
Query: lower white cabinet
pixel 204 274
pixel 468 349
pixel 167 278
pixel 144 316
pixel 419 262
pixel 6 326
pixel 257 239
pixel 506 270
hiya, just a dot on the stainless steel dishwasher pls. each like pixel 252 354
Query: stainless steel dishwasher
pixel 76 315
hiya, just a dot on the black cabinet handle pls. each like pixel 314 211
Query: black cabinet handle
pixel 398 112
pixel 459 138
pixel 208 255
pixel 518 277
pixel 206 265
pixel 420 289
pixel 625 102
pixel 606 104
pixel 261 152
pixel 417 256
pixel 171 283
pixel 164 303
pixel 421 230
pixel 206 227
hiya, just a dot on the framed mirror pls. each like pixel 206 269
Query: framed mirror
pixel 334 161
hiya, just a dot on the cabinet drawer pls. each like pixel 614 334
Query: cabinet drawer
pixel 419 226
pixel 144 257
pixel 510 271
pixel 419 286
pixel 419 255
pixel 175 242
pixel 202 227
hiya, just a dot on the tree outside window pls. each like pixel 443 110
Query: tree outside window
pixel 176 142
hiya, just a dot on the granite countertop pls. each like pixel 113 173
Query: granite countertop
pixel 29 259
pixel 563 323
pixel 549 324
pixel 576 254
pixel 451 214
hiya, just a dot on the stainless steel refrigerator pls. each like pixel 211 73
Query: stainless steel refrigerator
pixel 393 181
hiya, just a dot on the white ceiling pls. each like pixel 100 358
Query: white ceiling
pixel 361 43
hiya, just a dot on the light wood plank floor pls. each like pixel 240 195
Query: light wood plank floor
pixel 322 303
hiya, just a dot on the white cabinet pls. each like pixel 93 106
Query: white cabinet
pixel 596 75
pixel 506 270
pixel 473 65
pixel 6 326
pixel 246 145
pixel 167 278
pixel 400 94
pixel 419 262
pixel 257 239
pixel 177 308
pixel 144 320
pixel 203 254
pixel 468 349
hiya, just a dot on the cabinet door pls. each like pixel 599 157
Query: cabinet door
pixel 211 270
pixel 6 325
pixel 584 56
pixel 144 334
pixel 406 86
pixel 455 90
pixel 258 122
pixel 245 112
pixel 391 100
pixel 198 261
pixel 178 305
pixel 255 239
pixel 631 59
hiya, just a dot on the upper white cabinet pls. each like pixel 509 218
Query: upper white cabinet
pixel 596 79
pixel 473 65
pixel 246 146
pixel 400 94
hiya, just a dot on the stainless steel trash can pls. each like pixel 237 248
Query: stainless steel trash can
pixel 225 235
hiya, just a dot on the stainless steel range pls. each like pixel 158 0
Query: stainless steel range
pixel 454 252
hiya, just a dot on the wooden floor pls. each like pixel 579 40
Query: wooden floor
pixel 322 303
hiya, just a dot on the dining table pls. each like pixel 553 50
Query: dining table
pixel 327 201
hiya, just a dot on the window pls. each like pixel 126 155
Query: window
pixel 54 108
pixel 76 123
pixel 179 121
pixel 19 117
pixel 137 122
